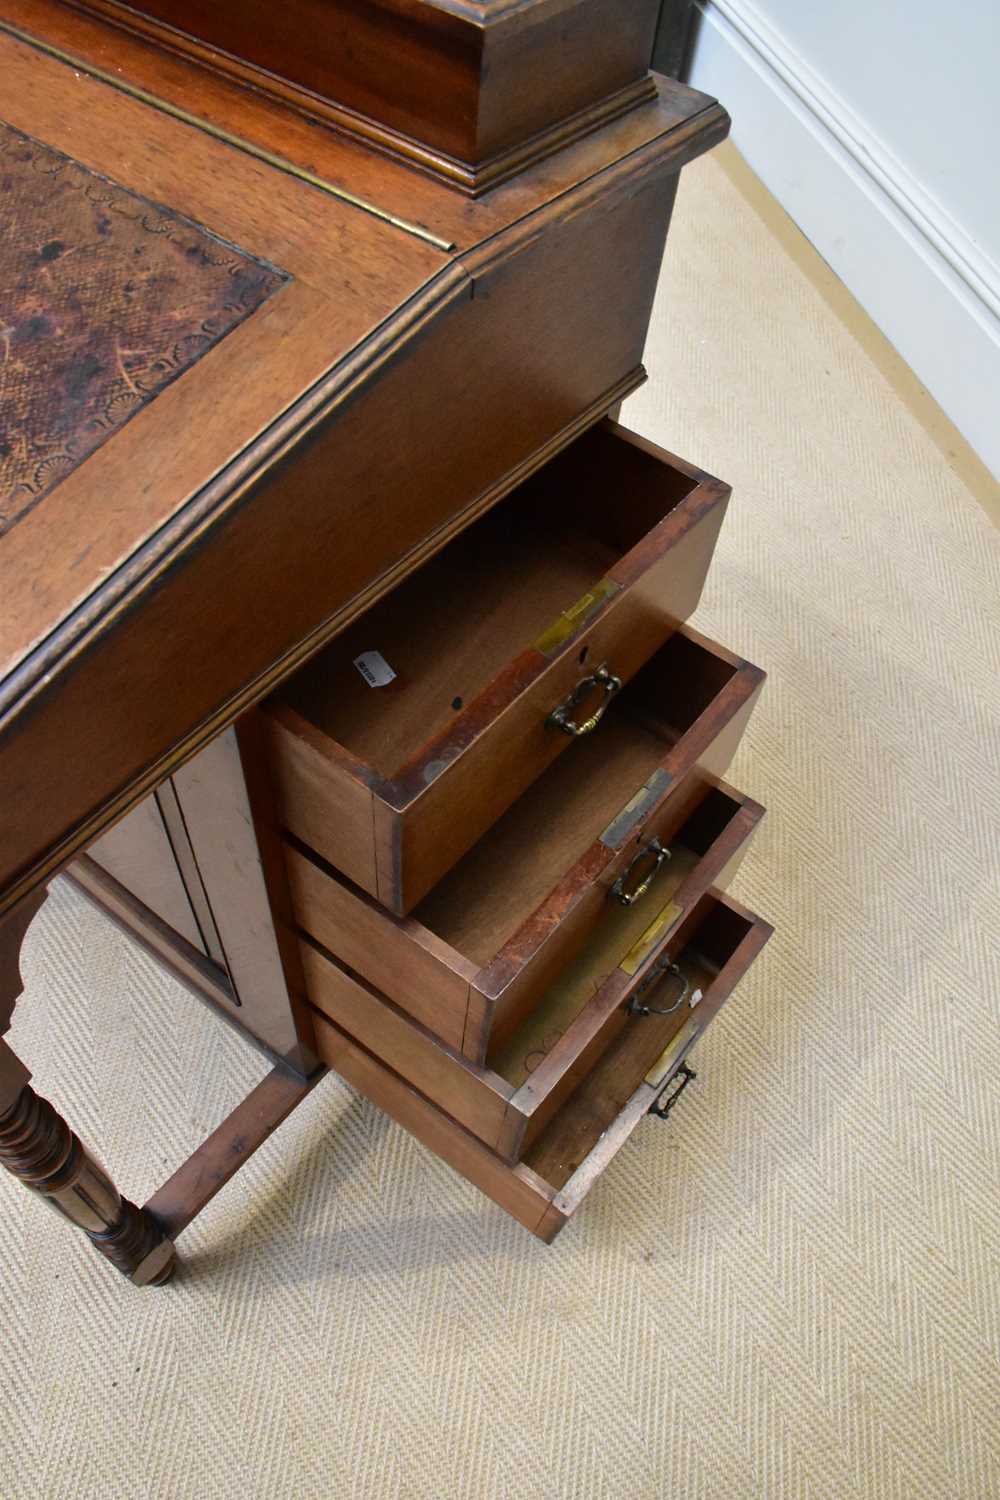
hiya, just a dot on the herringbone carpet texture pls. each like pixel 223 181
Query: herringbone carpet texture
pixel 793 1289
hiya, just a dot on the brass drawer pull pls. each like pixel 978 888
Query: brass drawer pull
pixel 561 717
pixel 662 1106
pixel 665 966
pixel 620 890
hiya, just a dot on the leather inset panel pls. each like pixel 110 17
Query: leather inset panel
pixel 105 298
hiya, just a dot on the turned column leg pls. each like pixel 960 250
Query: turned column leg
pixel 39 1148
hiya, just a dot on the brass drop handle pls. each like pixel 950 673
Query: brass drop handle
pixel 656 973
pixel 620 890
pixel 562 717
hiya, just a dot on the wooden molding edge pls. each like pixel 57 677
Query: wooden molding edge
pixel 60 854
pixel 339 384
pixel 471 178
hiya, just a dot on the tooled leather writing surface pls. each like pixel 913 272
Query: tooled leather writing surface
pixel 105 298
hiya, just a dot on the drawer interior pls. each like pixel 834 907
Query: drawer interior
pixel 526 1073
pixel 714 935
pixel 613 936
pixel 510 871
pixel 450 629
pixel 715 945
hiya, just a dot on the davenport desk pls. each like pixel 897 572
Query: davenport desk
pixel 343 656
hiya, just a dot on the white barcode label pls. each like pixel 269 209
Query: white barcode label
pixel 374 668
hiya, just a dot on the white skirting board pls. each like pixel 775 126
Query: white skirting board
pixel 926 285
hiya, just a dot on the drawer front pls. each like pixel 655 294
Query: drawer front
pixel 476 1098
pixel 514 981
pixel 426 978
pixel 545 1190
pixel 459 747
pixel 475 958
pixel 549 1055
pixel 508 1103
pixel 720 941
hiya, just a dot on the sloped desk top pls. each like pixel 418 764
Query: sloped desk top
pixel 252 373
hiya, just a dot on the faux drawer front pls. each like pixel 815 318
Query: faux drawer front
pixel 408 737
pixel 720 941
pixel 476 955
pixel 507 1104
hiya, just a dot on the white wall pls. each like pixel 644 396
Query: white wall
pixel 876 124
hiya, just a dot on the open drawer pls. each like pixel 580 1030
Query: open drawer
pixel 715 946
pixel 507 1103
pixel 477 954
pixel 401 743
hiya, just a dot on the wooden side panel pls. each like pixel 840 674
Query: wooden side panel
pixel 206 978
pixel 336 50
pixel 517 1190
pixel 387 854
pixel 476 1099
pixel 138 853
pixel 421 973
pixel 546 62
pixel 173 821
pixel 523 972
pixel 319 796
pixel 221 804
pixel 715 759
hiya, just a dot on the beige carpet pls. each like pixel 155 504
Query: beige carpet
pixel 791 1290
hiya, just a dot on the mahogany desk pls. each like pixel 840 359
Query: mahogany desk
pixel 296 301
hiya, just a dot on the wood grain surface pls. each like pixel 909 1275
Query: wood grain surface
pixel 591 563
pixel 720 941
pixel 508 1102
pixel 292 500
pixel 478 89
pixel 521 904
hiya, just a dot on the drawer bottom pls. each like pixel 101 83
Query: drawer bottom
pixel 579 1143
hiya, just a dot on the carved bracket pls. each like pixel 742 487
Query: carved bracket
pixel 13 927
